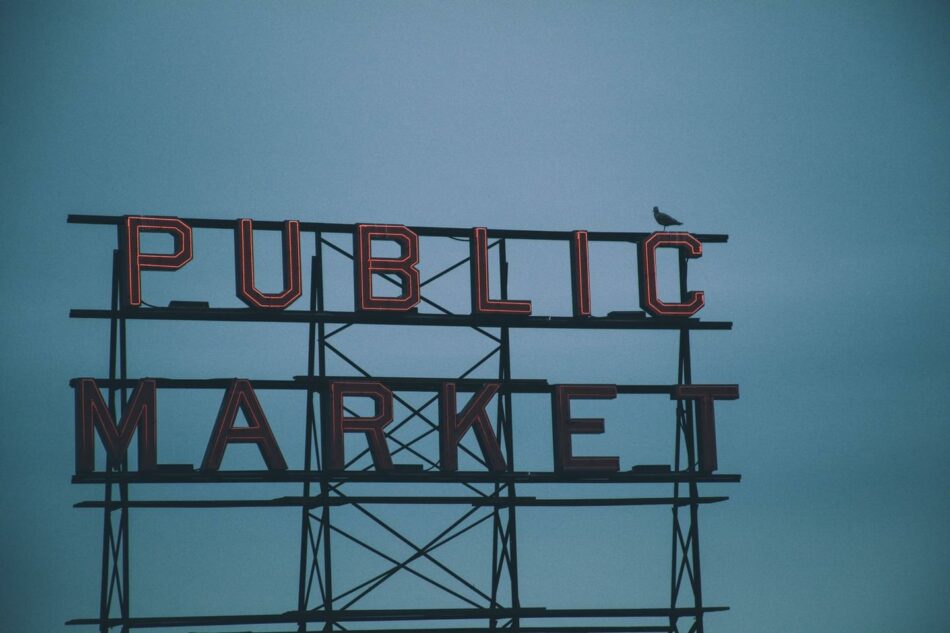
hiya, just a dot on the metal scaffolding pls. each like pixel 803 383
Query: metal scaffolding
pixel 483 497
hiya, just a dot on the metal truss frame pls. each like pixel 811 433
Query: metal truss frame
pixel 319 602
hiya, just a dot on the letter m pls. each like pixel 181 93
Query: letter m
pixel 92 412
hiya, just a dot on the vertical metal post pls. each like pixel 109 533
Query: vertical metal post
pixel 124 486
pixel 685 430
pixel 509 446
pixel 115 543
pixel 677 531
pixel 305 562
pixel 107 535
pixel 504 544
pixel 324 415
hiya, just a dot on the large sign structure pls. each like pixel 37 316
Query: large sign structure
pixel 350 431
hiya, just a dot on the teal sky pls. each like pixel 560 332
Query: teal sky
pixel 817 135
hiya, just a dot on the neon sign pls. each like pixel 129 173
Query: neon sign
pixel 366 266
pixel 471 439
pixel 141 417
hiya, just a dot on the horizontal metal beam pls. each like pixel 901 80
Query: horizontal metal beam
pixel 520 629
pixel 400 500
pixel 393 382
pixel 180 474
pixel 408 318
pixel 502 629
pixel 394 615
pixel 474 384
pixel 425 231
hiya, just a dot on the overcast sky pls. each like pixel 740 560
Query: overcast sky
pixel 817 135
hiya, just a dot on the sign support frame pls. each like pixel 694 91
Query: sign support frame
pixel 316 540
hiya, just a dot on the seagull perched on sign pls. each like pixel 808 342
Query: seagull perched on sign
pixel 663 219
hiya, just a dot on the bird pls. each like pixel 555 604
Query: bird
pixel 663 219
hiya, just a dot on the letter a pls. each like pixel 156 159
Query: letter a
pixel 240 395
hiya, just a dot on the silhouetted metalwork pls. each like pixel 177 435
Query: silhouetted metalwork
pixel 319 602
